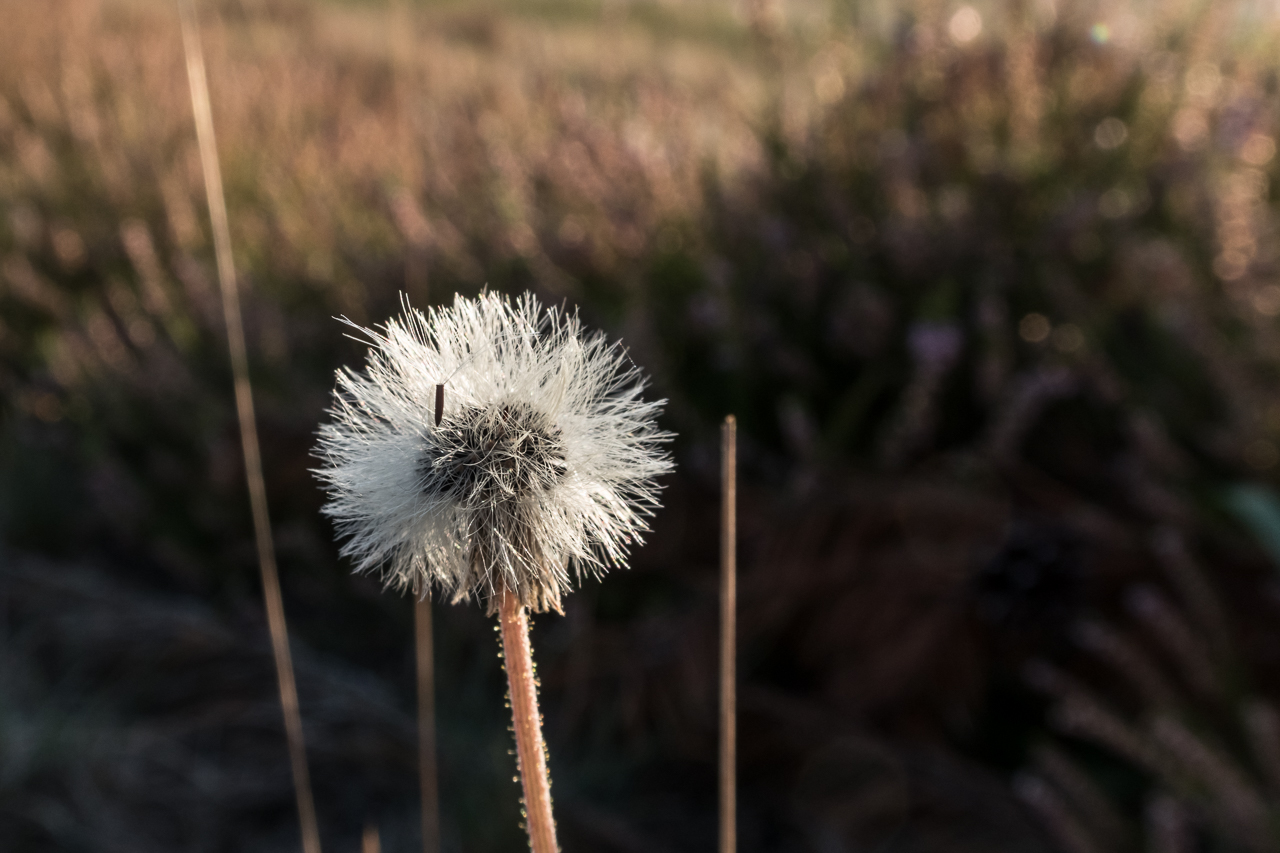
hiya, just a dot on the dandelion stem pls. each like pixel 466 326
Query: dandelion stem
pixel 531 753
pixel 248 426
pixel 728 636
pixel 427 727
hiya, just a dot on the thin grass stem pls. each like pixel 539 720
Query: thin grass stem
pixel 531 752
pixel 371 841
pixel 248 425
pixel 427 727
pixel 728 636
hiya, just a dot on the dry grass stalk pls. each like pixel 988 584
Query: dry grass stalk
pixel 1202 602
pixel 1057 816
pixel 1173 632
pixel 1089 801
pixel 531 753
pixel 427 727
pixel 728 637
pixel 1168 827
pixel 371 840
pixel 1262 726
pixel 1129 660
pixel 248 425
pixel 1239 809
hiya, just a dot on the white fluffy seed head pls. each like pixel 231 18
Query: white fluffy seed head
pixel 543 463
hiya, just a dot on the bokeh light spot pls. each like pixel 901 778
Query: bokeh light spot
pixel 1203 81
pixel 1190 128
pixel 1068 338
pixel 1258 149
pixel 1110 133
pixel 1100 33
pixel 965 25
pixel 1267 301
pixel 828 85
pixel 1034 328
pixel 1115 203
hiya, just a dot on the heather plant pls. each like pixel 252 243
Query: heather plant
pixel 1182 718
pixel 960 242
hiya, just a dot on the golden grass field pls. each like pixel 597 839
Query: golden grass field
pixel 368 129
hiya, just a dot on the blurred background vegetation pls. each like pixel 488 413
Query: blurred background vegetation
pixel 993 290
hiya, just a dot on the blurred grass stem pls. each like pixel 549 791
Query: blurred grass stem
pixel 728 636
pixel 248 426
pixel 531 753
pixel 427 727
pixel 401 41
pixel 371 841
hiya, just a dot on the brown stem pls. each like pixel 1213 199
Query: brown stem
pixel 248 425
pixel 728 636
pixel 531 753
pixel 427 727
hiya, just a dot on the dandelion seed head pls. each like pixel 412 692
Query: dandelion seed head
pixel 542 467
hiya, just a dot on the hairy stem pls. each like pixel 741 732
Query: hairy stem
pixel 530 751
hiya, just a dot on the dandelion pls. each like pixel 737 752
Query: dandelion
pixel 493 450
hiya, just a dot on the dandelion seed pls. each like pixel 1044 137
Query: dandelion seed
pixel 491 445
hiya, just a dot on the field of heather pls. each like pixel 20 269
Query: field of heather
pixel 993 290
